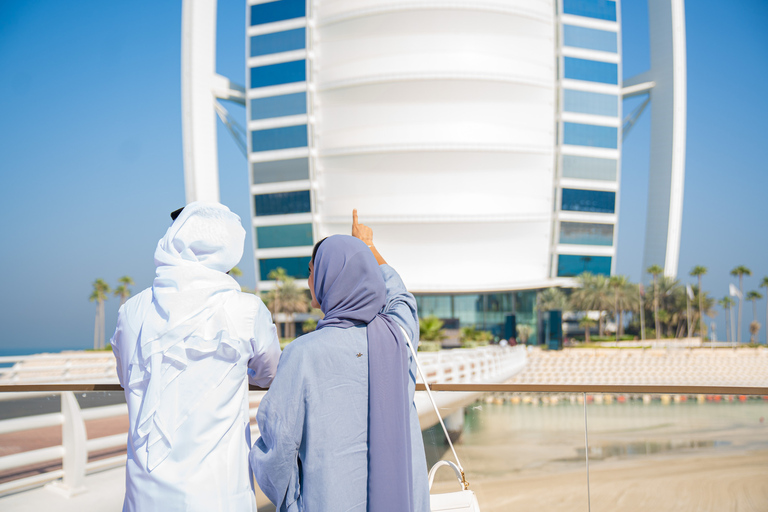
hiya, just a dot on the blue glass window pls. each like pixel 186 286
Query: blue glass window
pixel 589 38
pixel 586 233
pixel 277 42
pixel 279 106
pixel 295 267
pixel 282 203
pixel 569 265
pixel 279 138
pixel 591 70
pixel 590 135
pixel 597 201
pixel 600 9
pixel 277 11
pixel 276 74
pixel 590 103
pixel 280 170
pixel 292 235
pixel 588 168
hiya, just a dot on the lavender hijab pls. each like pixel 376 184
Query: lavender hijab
pixel 351 291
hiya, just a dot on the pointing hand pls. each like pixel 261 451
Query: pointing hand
pixel 361 231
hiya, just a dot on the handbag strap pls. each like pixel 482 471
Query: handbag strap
pixel 434 405
pixel 438 465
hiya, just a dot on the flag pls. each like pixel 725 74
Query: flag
pixel 690 291
pixel 734 291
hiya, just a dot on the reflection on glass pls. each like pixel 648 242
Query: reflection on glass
pixel 276 74
pixel 600 9
pixel 578 134
pixel 593 103
pixel 590 38
pixel 570 265
pixel 269 12
pixel 284 137
pixel 591 70
pixel 291 235
pixel 282 203
pixel 280 170
pixel 277 42
pixel 597 201
pixel 589 168
pixel 586 233
pixel 279 106
pixel 294 267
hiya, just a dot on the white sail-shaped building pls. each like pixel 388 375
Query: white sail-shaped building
pixel 481 140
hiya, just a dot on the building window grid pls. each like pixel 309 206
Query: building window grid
pixel 603 171
pixel 598 9
pixel 590 38
pixel 280 10
pixel 296 265
pixel 277 42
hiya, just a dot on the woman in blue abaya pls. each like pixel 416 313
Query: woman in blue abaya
pixel 339 429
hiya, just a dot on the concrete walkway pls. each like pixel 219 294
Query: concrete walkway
pixel 105 494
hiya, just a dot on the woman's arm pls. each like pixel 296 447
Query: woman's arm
pixel 266 348
pixel 401 304
pixel 274 456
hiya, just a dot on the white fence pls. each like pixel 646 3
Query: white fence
pixel 81 367
pixel 73 452
pixel 481 365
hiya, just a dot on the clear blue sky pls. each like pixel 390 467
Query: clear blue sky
pixel 91 157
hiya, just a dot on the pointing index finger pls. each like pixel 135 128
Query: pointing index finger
pixel 354 217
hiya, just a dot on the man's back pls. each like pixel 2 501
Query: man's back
pixel 186 349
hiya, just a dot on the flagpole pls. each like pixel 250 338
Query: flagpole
pixel 642 312
pixel 688 310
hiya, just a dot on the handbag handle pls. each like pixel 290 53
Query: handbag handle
pixel 444 463
pixel 431 399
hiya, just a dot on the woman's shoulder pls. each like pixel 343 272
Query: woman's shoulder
pixel 316 342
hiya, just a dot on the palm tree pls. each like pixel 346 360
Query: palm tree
pixel 617 282
pixel 764 284
pixel 552 299
pixel 754 296
pixel 706 307
pixel 740 271
pixel 100 293
pixel 285 299
pixel 587 323
pixel 656 271
pixel 726 303
pixel 699 271
pixel 592 294
pixel 431 329
pixel 122 289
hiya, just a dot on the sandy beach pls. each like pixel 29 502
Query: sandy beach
pixel 680 457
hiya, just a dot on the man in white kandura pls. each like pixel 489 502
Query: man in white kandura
pixel 186 349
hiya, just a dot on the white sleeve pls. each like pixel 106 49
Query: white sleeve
pixel 115 342
pixel 266 349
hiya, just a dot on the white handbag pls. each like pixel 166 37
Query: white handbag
pixel 459 501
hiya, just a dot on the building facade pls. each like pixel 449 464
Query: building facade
pixel 480 140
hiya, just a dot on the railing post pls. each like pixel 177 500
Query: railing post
pixel 74 440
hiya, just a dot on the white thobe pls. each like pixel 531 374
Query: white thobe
pixel 207 468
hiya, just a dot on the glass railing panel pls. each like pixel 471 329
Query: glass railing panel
pixel 519 451
pixel 677 452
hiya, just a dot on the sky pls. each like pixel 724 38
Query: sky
pixel 91 154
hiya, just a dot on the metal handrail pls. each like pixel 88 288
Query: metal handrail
pixel 469 387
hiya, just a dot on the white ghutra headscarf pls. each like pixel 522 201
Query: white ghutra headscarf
pixel 186 323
